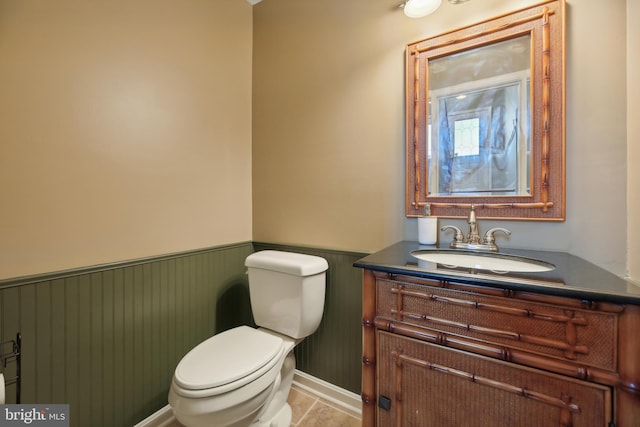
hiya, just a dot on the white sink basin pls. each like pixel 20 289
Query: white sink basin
pixel 483 261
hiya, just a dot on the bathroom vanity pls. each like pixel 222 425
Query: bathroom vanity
pixel 449 346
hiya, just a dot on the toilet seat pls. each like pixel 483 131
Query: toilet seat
pixel 227 361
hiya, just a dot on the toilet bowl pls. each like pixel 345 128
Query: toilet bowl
pixel 227 379
pixel 242 377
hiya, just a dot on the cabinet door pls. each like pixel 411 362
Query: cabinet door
pixel 422 384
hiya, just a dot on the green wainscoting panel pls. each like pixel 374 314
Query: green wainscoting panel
pixel 106 339
pixel 334 352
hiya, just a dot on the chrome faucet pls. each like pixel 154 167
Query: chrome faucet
pixel 472 241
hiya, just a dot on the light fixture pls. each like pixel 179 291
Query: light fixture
pixel 420 8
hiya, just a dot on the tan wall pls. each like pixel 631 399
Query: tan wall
pixel 125 130
pixel 633 137
pixel 328 129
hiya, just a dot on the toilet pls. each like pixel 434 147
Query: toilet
pixel 242 377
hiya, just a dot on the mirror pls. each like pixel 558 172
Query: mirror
pixel 485 118
pixel 478 135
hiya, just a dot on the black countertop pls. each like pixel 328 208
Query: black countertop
pixel 572 277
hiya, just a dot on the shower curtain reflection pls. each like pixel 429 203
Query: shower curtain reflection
pixel 479 139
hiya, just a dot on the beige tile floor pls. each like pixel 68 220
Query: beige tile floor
pixel 310 411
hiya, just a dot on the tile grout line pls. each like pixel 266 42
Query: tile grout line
pixel 319 401
pixel 315 401
pixel 336 408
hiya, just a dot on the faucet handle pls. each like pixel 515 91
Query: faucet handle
pixel 489 238
pixel 459 237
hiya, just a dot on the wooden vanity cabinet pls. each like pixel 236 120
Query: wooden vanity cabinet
pixel 441 353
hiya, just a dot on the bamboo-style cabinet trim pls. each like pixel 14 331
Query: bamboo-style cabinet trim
pixel 559 331
pixel 589 347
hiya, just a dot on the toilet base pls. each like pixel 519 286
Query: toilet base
pixel 278 413
pixel 281 419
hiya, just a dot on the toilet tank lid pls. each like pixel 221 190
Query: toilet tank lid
pixel 287 262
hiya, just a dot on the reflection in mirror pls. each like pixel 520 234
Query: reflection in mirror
pixel 479 109
pixel 485 118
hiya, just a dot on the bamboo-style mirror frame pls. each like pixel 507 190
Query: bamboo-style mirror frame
pixel 545 23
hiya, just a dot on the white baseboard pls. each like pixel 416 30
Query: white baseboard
pixel 634 281
pixel 346 400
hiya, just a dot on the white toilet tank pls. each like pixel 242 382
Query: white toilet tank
pixel 287 291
